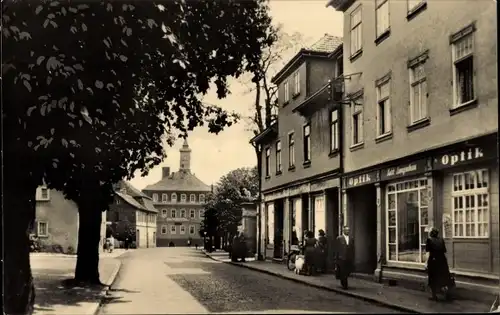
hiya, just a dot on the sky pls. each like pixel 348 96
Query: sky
pixel 215 155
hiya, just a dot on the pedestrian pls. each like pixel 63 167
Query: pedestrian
pixel 323 251
pixel 438 271
pixel 344 257
pixel 189 242
pixel 127 243
pixel 243 247
pixel 196 245
pixel 310 253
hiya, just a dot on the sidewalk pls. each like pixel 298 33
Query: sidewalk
pixel 392 296
pixel 116 253
pixel 49 270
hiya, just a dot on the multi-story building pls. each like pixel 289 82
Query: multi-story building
pixel 420 135
pixel 133 214
pixel 179 197
pixel 300 151
pixel 56 222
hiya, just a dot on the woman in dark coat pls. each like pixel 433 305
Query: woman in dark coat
pixel 310 252
pixel 437 264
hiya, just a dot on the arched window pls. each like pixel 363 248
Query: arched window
pixel 174 197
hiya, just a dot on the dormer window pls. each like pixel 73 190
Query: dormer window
pixel 286 92
pixel 296 83
pixel 173 197
pixel 164 197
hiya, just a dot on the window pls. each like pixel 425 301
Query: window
pixel 183 197
pixel 412 4
pixel 334 131
pixel 357 121
pixel 43 193
pixel 202 213
pixel 296 83
pixel 383 109
pixel 278 157
pixel 163 229
pixel 307 143
pixel 191 229
pixel 42 228
pixel 418 93
pixel 155 197
pixel 382 16
pixel 463 70
pixel 117 201
pixel 183 213
pixel 164 197
pixel 339 66
pixel 407 221
pixel 173 229
pixel 202 198
pixel 173 213
pixel 470 204
pixel 192 213
pixel 268 162
pixel 291 150
pixel 183 229
pixel 192 198
pixel 286 91
pixel 356 31
pixel 164 212
pixel 173 197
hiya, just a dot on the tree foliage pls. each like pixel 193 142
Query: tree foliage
pixel 90 88
pixel 223 206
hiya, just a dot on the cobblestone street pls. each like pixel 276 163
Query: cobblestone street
pixel 181 280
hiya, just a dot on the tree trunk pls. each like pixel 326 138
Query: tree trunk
pixel 89 235
pixel 18 215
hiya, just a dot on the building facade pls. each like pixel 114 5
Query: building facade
pixel 133 213
pixel 179 198
pixel 420 135
pixel 301 152
pixel 56 222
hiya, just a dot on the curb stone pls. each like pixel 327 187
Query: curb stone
pixel 339 291
pixel 94 309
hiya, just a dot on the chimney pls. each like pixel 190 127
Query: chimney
pixel 165 172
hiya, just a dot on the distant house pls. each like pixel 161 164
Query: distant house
pixel 180 198
pixel 56 222
pixel 134 214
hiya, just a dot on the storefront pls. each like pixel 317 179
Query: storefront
pixel 468 207
pixel 407 188
pixel 454 189
pixel 291 211
pixel 359 207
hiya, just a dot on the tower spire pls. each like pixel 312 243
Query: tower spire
pixel 185 162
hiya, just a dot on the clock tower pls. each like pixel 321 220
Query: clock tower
pixel 185 165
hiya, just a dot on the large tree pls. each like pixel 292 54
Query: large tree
pixel 89 90
pixel 223 207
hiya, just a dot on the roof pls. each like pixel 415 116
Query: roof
pixel 322 48
pixel 327 43
pixel 273 129
pixel 179 181
pixel 131 190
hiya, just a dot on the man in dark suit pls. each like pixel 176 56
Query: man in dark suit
pixel 344 257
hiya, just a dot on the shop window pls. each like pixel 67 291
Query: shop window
pixel 407 221
pixel 470 204
pixel 270 224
